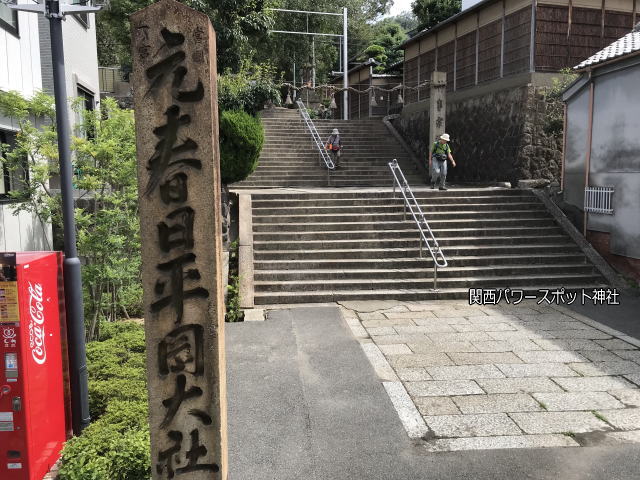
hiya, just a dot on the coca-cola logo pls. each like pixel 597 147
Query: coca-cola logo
pixel 36 324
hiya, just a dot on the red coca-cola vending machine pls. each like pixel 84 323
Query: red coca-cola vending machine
pixel 33 379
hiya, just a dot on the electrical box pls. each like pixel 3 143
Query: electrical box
pixel 34 420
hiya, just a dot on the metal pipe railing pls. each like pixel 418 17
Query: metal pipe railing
pixel 324 156
pixel 426 235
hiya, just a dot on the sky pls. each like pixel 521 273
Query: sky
pixel 400 6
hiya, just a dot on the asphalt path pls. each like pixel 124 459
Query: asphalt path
pixel 305 403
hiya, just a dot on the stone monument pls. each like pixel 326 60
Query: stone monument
pixel 437 106
pixel 176 112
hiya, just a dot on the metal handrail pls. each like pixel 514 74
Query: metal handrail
pixel 324 156
pixel 426 235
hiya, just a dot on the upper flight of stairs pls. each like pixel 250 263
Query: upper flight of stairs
pixel 347 245
pixel 289 158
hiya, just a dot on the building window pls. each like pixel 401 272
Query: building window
pixel 8 19
pixel 599 200
pixel 10 179
pixel 87 104
pixel 83 18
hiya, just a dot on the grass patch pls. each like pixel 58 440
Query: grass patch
pixel 569 434
pixel 599 416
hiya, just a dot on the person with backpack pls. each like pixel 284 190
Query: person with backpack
pixel 334 145
pixel 439 153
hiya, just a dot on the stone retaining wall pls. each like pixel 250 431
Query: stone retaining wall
pixel 496 135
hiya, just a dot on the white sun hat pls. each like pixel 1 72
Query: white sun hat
pixel 335 132
pixel 445 137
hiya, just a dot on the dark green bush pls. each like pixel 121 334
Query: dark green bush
pixel 241 139
pixel 116 445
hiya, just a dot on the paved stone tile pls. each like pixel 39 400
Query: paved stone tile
pixel 411 419
pixel 569 344
pixel 518 385
pixel 499 442
pixel 464 372
pixel 628 396
pixel 558 422
pixel 485 327
pixel 378 331
pixel 379 363
pixel 545 317
pixel 484 319
pixel 592 334
pixel 551 357
pixel 555 325
pixel 436 406
pixel 472 425
pixel 411 330
pixel 613 438
pixel 536 370
pixel 497 403
pixel 395 349
pixel 457 312
pixel 597 369
pixel 441 321
pixel 627 419
pixel 410 315
pixel 635 378
pixel 460 358
pixel 633 355
pixel 600 355
pixel 506 345
pixel 593 384
pixel 441 388
pixel 511 310
pixel 616 344
pixel 387 323
pixel 429 346
pixel 371 316
pixel 461 337
pixel 567 401
pixel 412 374
pixel 520 335
pixel 391 339
pixel 419 360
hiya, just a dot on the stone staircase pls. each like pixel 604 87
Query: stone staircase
pixel 337 245
pixel 289 158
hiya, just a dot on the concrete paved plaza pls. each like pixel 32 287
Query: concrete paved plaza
pixel 467 377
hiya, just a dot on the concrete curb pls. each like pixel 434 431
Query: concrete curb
pixel 245 251
pixel 594 257
pixel 414 158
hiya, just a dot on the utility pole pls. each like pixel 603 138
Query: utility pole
pixel 345 67
pixel 55 12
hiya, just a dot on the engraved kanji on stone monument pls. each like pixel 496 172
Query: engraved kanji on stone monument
pixel 176 113
pixel 437 105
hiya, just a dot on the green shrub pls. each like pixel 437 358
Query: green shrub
pixel 115 447
pixel 248 90
pixel 241 139
pixel 116 444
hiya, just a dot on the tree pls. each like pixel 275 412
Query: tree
pixel 432 12
pixel 236 24
pixel 104 161
pixel 388 35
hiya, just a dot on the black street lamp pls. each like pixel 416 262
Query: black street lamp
pixel 55 12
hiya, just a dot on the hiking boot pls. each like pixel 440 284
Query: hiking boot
pixel 433 186
pixel 443 188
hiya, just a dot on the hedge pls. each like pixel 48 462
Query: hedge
pixel 241 139
pixel 116 444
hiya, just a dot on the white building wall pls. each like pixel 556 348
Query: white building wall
pixel 23 232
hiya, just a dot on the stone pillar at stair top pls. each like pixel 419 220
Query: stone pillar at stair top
pixel 174 54
pixel 437 106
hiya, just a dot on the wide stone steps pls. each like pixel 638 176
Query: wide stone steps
pixel 449 272
pixel 401 264
pixel 526 287
pixel 409 232
pixel 355 226
pixel 424 283
pixel 332 245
